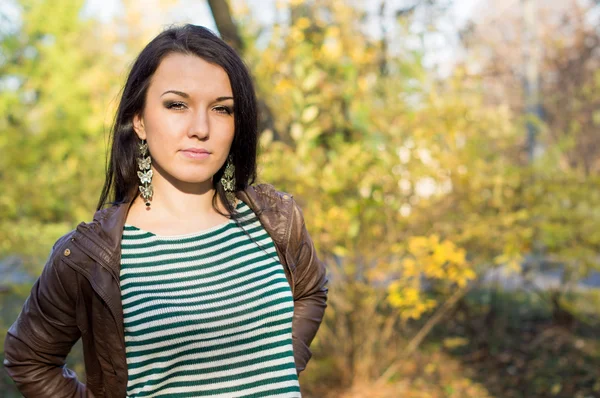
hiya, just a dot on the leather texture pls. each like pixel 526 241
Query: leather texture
pixel 78 296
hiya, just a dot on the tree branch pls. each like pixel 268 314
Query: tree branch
pixel 229 32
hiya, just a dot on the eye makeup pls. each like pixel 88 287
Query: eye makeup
pixel 223 109
pixel 176 105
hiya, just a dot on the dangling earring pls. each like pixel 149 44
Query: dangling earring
pixel 145 174
pixel 228 182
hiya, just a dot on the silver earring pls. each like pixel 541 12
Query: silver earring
pixel 228 182
pixel 145 173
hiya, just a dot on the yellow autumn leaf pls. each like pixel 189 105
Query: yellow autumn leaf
pixel 309 114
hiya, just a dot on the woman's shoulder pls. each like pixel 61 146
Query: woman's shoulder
pixel 277 210
pixel 265 197
pixel 63 241
pixel 60 249
pixel 86 231
pixel 267 191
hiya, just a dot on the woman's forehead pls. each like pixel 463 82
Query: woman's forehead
pixel 190 74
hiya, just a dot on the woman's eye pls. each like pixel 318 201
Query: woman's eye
pixel 223 109
pixel 175 105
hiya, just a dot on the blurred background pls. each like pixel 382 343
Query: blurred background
pixel 446 154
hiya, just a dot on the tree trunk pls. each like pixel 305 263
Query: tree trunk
pixel 227 28
pixel 229 32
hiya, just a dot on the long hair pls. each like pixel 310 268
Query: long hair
pixel 121 184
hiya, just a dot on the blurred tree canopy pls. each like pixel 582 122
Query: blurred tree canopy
pixel 57 76
pixel 414 186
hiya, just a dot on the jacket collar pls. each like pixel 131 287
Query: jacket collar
pixel 272 207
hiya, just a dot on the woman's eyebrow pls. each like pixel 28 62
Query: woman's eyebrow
pixel 186 95
pixel 180 93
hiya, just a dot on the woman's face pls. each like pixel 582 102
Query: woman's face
pixel 188 120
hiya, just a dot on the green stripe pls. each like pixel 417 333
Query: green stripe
pixel 195 277
pixel 266 393
pixel 217 291
pixel 163 240
pixel 140 236
pixel 209 269
pixel 200 234
pixel 165 306
pixel 176 260
pixel 187 308
pixel 207 248
pixel 260 337
pixel 226 390
pixel 199 245
pixel 190 333
pixel 182 343
pixel 129 239
pixel 218 355
pixel 214 329
pixel 228 366
pixel 223 317
pixel 196 372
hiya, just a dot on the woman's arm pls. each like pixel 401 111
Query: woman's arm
pixel 310 292
pixel 38 342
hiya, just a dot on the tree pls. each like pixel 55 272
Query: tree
pixel 62 72
pixel 567 39
pixel 50 119
pixel 557 194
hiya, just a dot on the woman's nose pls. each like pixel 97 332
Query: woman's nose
pixel 199 127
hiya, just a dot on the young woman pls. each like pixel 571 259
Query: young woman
pixel 192 282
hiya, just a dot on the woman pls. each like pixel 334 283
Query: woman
pixel 194 282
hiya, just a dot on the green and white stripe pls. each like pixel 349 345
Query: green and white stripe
pixel 207 314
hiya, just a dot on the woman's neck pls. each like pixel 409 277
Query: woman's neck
pixel 176 210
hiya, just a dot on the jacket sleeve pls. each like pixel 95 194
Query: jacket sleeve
pixel 38 342
pixel 310 291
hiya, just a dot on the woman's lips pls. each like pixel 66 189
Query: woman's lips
pixel 195 153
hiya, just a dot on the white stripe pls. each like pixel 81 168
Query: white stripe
pixel 211 375
pixel 221 339
pixel 184 329
pixel 133 232
pixel 292 395
pixel 226 286
pixel 207 355
pixel 233 383
pixel 211 254
pixel 199 299
pixel 162 280
pixel 188 286
pixel 183 245
pixel 193 247
pixel 176 296
pixel 153 237
pixel 192 310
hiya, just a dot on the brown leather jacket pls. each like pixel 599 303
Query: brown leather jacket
pixel 78 295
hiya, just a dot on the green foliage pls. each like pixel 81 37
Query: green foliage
pixel 65 72
pixel 52 126
pixel 384 161
pixel 411 187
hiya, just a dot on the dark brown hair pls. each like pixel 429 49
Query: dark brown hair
pixel 121 184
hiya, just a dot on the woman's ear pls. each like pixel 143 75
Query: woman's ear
pixel 138 126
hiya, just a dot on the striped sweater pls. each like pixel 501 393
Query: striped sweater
pixel 207 314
